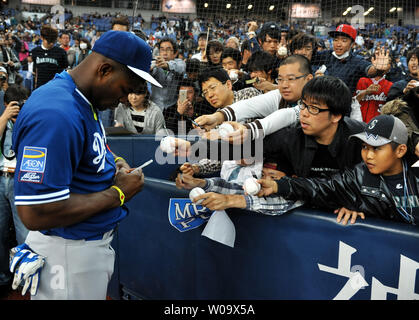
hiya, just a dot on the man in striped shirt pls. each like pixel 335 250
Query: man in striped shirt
pixel 217 89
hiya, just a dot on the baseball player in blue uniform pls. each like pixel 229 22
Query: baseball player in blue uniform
pixel 69 189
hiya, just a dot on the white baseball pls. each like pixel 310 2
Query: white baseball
pixel 282 51
pixel 322 69
pixel 233 75
pixel 196 192
pixel 225 129
pixel 251 186
pixel 167 144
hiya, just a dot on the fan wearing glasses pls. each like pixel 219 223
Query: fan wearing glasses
pixel 318 146
pixel 313 140
pixel 274 110
pixel 293 73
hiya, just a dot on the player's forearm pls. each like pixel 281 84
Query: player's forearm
pixel 75 209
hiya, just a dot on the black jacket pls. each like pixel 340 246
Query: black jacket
pixel 294 151
pixel 355 189
pixel 397 88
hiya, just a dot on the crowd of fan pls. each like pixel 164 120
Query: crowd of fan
pixel 250 73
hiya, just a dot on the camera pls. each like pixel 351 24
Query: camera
pixel 20 103
pixel 3 78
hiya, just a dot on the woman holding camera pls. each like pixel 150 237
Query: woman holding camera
pixel 14 98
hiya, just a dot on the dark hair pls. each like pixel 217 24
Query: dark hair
pixel 300 40
pixel 215 72
pixel 233 53
pixel 203 35
pixel 290 34
pixel 331 91
pixel 15 93
pixel 187 83
pixel 49 33
pixel 86 41
pixel 305 65
pixel 411 53
pixel 142 89
pixel 262 61
pixel 140 34
pixel 216 45
pixel 167 39
pixel 65 33
pixel 245 46
pixel 274 33
pixel 123 20
pixel 193 65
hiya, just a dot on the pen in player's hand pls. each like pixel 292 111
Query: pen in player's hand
pixel 142 166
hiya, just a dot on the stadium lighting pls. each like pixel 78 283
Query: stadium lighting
pixel 250 6
pixel 368 11
pixel 205 5
pixel 228 6
pixel 393 9
pixel 271 7
pixel 347 11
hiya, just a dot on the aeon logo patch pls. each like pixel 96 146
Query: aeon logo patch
pixel 34 159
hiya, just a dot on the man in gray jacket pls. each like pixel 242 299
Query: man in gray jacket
pixel 168 71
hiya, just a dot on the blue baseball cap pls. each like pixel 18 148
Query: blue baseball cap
pixel 127 49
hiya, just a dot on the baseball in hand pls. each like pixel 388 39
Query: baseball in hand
pixel 167 144
pixel 196 192
pixel 282 51
pixel 251 186
pixel 225 129
pixel 233 75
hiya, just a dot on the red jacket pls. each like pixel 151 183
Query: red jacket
pixel 372 103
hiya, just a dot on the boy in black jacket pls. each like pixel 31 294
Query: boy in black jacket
pixel 383 185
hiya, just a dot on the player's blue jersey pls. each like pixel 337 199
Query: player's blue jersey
pixel 61 149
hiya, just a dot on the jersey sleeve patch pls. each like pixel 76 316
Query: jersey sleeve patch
pixel 33 164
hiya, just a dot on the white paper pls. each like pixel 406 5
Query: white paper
pixel 220 228
pixel 416 164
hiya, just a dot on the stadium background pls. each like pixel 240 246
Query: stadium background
pixel 393 17
pixel 394 12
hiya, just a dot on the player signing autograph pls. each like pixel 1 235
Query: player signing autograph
pixel 69 189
